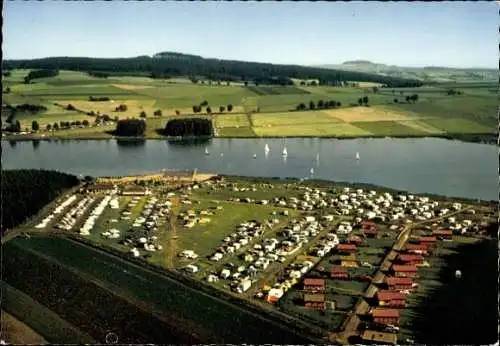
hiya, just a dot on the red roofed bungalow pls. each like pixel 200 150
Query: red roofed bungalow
pixel 346 248
pixel 354 239
pixel 370 232
pixel 386 316
pixel 443 234
pixel 404 270
pixel 314 285
pixel 419 249
pixel 412 259
pixel 393 299
pixel 394 283
pixel 429 241
pixel 339 272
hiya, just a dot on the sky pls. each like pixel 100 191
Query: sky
pixel 453 34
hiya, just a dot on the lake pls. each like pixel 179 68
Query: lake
pixel 423 165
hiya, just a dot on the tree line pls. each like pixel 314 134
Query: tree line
pixel 130 128
pixel 318 105
pixel 42 73
pixel 168 64
pixel 26 191
pixel 196 127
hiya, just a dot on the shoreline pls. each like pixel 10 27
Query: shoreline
pixel 483 138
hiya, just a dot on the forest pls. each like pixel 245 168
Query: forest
pixel 171 64
pixel 130 128
pixel 197 127
pixel 26 191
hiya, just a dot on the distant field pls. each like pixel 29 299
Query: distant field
pixel 435 112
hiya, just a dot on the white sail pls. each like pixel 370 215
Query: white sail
pixel 206 151
pixel 254 156
pixel 266 148
pixel 357 155
pixel 312 170
pixel 285 153
pixel 221 154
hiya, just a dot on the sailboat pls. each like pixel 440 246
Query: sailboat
pixel 285 153
pixel 221 154
pixel 266 149
pixel 357 155
pixel 254 156
pixel 317 157
pixel 206 151
pixel 312 171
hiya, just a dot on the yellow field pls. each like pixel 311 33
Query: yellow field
pixel 293 118
pixel 135 107
pixel 131 86
pixel 335 129
pixel 231 120
pixel 375 113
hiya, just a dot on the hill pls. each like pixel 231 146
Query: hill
pixel 427 74
pixel 172 64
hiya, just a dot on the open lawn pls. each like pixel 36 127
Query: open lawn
pixel 369 114
pixel 459 125
pixel 387 128
pixel 231 120
pixel 313 130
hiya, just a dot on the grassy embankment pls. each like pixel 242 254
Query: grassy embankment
pixel 470 115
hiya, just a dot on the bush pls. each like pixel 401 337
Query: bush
pixel 130 127
pixel 189 127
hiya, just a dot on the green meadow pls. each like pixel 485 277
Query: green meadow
pixel 258 111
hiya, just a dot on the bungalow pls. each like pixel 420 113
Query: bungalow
pixel 314 285
pixel 392 299
pixel 101 188
pixel 135 191
pixel 386 316
pixel 346 248
pixel 443 234
pixel 370 232
pixel 412 259
pixel 429 241
pixel 378 338
pixel 398 283
pixel 349 261
pixel 339 272
pixel 356 240
pixel 404 270
pixel 314 301
pixel 419 249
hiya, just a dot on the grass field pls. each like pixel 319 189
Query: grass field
pixel 435 113
pixel 205 313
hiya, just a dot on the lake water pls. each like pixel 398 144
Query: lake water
pixel 427 165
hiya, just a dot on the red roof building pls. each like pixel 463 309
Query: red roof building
pixel 410 259
pixel 339 272
pixel 346 248
pixel 399 283
pixel 429 241
pixel 314 285
pixel 394 299
pixel 419 249
pixel 443 234
pixel 404 270
pixel 370 232
pixel 386 316
pixel 314 301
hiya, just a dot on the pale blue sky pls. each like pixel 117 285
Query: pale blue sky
pixel 461 34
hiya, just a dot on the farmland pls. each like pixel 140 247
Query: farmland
pixel 257 111
pixel 198 228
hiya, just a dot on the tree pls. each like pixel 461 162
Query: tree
pixel 301 107
pixel 375 90
pixel 229 107
pixel 365 100
pixel 85 123
pixel 320 104
pixel 78 123
pixel 121 108
pixel 209 110
pixel 204 103
pixel 158 113
pixel 396 101
pixel 143 114
pixel 222 109
pixel 360 101
pixel 48 127
pixel 311 105
pixel 339 104
pixel 177 112
pixel 34 126
pixel 414 98
pixel 196 109
pixel 245 83
pixel 106 117
pixel 70 107
pixel 407 99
